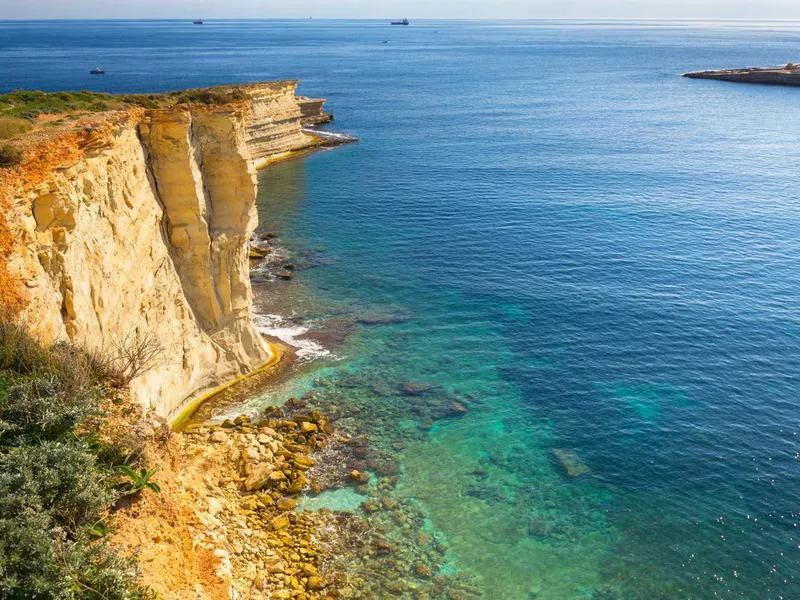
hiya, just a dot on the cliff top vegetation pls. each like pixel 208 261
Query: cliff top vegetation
pixel 27 105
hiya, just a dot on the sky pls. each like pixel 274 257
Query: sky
pixel 419 9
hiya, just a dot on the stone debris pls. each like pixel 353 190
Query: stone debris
pixel 263 547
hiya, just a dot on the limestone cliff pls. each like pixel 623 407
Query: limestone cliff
pixel 275 122
pixel 135 225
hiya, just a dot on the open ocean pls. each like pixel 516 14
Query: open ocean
pixel 545 223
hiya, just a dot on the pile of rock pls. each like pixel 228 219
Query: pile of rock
pixel 265 548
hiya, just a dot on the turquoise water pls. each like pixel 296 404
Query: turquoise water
pixel 544 223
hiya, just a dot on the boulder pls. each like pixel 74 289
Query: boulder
pixel 315 583
pixel 307 427
pixel 259 477
pixel 279 522
pixel 303 462
pixel 219 437
pixel 287 503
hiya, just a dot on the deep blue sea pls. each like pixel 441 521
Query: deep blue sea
pixel 544 222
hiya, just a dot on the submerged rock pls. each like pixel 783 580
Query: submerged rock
pixel 422 570
pixel 571 463
pixel 425 424
pixel 415 389
pixel 358 476
pixel 381 546
pixel 456 409
pixel 295 404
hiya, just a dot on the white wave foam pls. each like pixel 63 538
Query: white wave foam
pixel 276 326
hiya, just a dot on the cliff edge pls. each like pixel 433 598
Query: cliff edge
pixel 130 227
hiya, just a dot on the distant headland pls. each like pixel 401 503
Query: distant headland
pixel 788 74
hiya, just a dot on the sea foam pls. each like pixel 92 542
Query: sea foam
pixel 277 326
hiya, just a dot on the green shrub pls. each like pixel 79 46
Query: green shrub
pixel 39 562
pixel 10 156
pixel 40 408
pixel 95 572
pixel 44 393
pixel 56 478
pixel 51 496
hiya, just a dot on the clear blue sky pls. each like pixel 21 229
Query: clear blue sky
pixel 517 9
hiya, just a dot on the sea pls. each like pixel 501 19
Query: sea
pixel 555 283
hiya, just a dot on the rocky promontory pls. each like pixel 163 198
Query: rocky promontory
pixel 788 74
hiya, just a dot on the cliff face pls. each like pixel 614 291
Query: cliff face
pixel 137 229
pixel 275 123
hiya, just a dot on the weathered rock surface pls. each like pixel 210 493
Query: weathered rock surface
pixel 136 229
pixel 275 123
pixel 788 74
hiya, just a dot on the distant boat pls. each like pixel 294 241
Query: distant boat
pixel 97 71
pixel 403 22
pixel 197 22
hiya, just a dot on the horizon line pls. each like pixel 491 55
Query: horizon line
pixel 312 18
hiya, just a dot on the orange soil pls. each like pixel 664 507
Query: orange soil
pixel 43 152
pixel 159 529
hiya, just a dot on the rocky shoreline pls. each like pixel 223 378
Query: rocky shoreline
pixel 231 512
pixel 788 74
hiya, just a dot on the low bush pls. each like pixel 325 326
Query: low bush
pixel 10 156
pixel 57 479
pixel 43 407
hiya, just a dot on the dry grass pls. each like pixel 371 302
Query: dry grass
pixel 13 126
pixel 10 156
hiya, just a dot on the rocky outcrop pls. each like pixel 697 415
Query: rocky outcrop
pixel 275 122
pixel 135 229
pixel 312 111
pixel 788 74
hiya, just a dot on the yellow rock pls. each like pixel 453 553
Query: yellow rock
pixel 307 427
pixel 261 474
pixel 315 583
pixel 303 462
pixel 287 503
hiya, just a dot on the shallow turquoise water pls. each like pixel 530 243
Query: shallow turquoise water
pixel 546 223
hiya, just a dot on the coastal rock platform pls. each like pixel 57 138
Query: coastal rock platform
pixel 788 74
